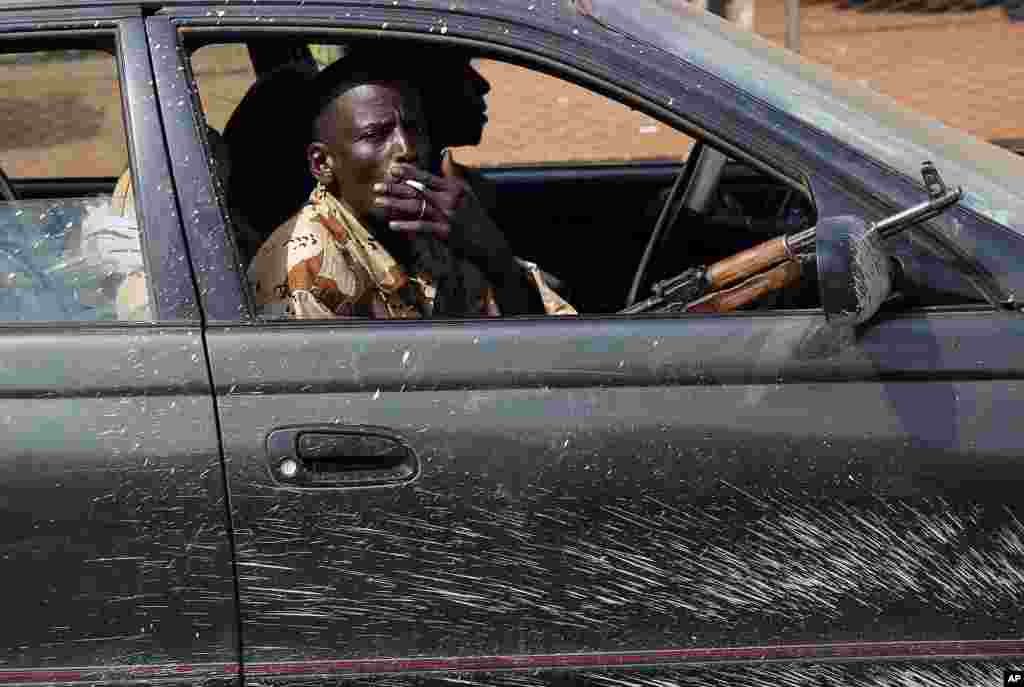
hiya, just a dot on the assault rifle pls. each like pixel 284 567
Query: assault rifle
pixel 772 265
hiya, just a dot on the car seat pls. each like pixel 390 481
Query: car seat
pixel 269 178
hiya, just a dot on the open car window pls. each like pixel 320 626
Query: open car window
pixel 537 119
pixel 575 180
pixel 223 73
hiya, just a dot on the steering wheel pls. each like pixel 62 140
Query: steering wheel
pixel 693 189
pixel 6 190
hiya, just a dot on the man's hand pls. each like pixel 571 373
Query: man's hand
pixel 448 208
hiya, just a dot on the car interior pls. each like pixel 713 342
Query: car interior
pixel 597 219
pixel 606 232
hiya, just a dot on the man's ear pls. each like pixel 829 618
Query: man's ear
pixel 320 163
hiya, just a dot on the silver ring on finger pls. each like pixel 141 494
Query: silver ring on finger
pixel 423 209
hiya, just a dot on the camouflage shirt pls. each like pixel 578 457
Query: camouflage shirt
pixel 323 263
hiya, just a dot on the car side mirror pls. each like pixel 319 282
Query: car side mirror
pixel 854 271
pixel 855 274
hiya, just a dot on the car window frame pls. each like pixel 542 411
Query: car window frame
pixel 190 28
pixel 760 143
pixel 170 282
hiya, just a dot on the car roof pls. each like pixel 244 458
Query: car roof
pixel 503 8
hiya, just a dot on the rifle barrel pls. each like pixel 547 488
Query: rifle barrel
pixel 901 220
pixel 889 226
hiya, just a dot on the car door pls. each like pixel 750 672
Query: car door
pixel 610 500
pixel 115 549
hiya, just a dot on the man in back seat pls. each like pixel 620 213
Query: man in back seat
pixel 110 238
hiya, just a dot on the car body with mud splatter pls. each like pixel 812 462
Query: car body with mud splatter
pixel 192 494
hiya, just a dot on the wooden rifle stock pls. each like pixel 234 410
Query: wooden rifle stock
pixel 727 300
pixel 705 287
pixel 746 263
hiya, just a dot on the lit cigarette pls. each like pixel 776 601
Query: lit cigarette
pixel 415 184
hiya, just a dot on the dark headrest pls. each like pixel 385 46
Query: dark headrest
pixel 275 98
pixel 266 136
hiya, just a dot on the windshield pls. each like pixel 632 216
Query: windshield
pixel 867 120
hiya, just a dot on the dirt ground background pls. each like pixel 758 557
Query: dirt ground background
pixel 63 119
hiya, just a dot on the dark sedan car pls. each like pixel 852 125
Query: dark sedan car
pixel 192 491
